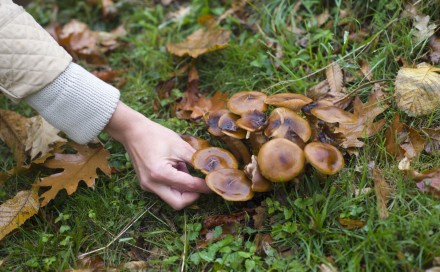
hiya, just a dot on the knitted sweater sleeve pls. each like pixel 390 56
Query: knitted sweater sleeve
pixel 77 103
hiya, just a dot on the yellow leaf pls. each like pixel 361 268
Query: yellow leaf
pixel 14 212
pixel 418 89
pixel 40 136
pixel 77 167
pixel 13 132
pixel 200 42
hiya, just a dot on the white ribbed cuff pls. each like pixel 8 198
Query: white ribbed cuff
pixel 77 103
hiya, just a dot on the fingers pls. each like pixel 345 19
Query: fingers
pixel 181 180
pixel 176 199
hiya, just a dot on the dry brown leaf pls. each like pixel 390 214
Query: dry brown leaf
pixel 13 133
pixel 433 142
pixel 322 18
pixel 366 70
pixel 351 223
pixel 365 126
pixel 423 29
pixel 81 166
pixel 200 42
pixel 85 44
pixel 403 141
pixel 323 95
pixel 15 211
pixel 109 9
pixel 40 137
pixel 383 191
pixel 334 77
pixel 428 181
pixel 208 104
pixel 434 45
pixel 417 90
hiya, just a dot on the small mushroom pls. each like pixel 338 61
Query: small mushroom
pixel 252 121
pixel 332 114
pixel 212 122
pixel 227 124
pixel 196 142
pixel 325 158
pixel 246 101
pixel 257 139
pixel 291 101
pixel 238 148
pixel 213 158
pixel 259 183
pixel 282 121
pixel 231 184
pixel 280 160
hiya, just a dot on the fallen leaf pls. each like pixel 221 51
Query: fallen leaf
pixel 423 29
pixel 14 212
pixel 403 141
pixel 209 104
pixel 334 77
pixel 200 42
pixel 365 126
pixel 13 132
pixel 322 18
pixel 351 223
pixel 433 141
pixel 85 44
pixel 77 167
pixel 366 70
pixel 136 266
pixel 417 90
pixel 323 95
pixel 236 7
pixel 109 10
pixel 40 137
pixel 383 191
pixel 428 181
pixel 327 268
pixel 434 45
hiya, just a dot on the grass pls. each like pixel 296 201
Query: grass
pixel 302 221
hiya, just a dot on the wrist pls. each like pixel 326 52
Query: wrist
pixel 124 123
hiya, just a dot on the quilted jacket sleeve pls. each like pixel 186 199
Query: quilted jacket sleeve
pixel 30 58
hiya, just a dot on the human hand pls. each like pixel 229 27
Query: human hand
pixel 158 155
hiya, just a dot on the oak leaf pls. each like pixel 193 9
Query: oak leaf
pixel 40 137
pixel 403 141
pixel 15 211
pixel 365 126
pixel 423 29
pixel 200 42
pixel 417 89
pixel 13 133
pixel 77 167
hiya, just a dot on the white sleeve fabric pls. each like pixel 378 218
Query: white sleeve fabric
pixel 77 103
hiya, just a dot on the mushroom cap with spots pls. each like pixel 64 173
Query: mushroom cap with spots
pixel 246 101
pixel 213 158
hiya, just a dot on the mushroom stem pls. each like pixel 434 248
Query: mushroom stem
pixel 238 148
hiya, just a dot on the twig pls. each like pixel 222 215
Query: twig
pixel 119 234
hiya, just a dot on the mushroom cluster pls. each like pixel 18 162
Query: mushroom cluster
pixel 271 147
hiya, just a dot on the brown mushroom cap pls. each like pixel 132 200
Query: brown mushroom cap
pixel 325 158
pixel 280 160
pixel 283 120
pixel 231 184
pixel 196 142
pixel 213 158
pixel 332 114
pixel 246 101
pixel 227 124
pixel 291 101
pixel 259 183
pixel 252 121
pixel 212 122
